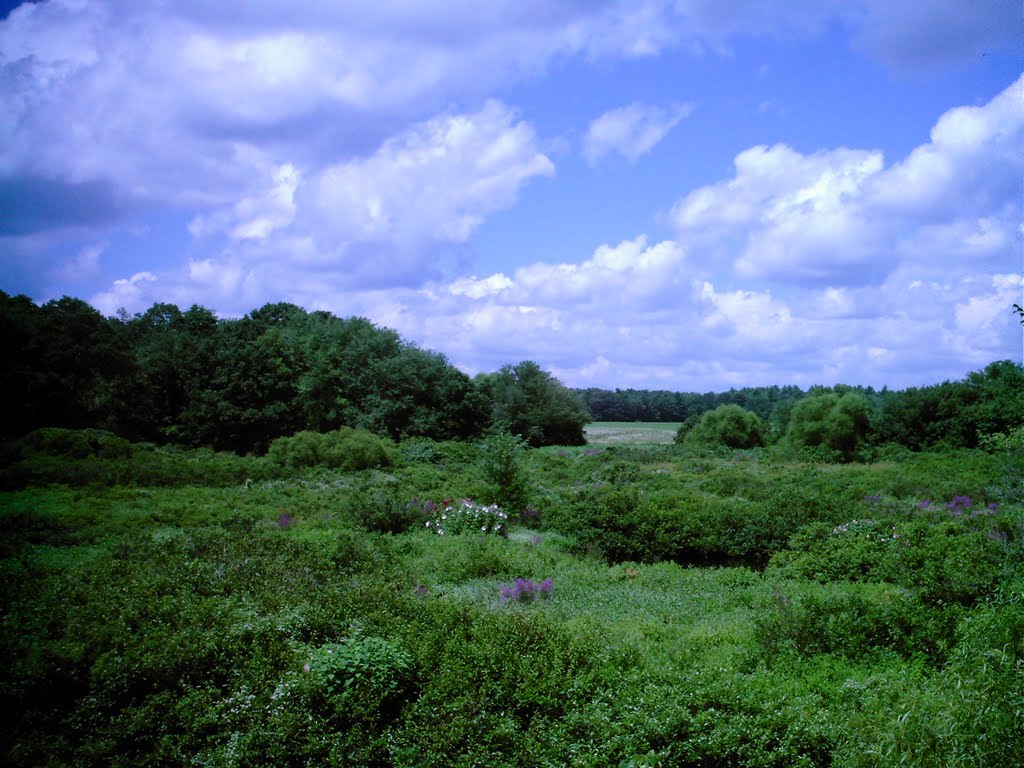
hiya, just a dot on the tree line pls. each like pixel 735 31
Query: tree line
pixel 953 414
pixel 190 378
pixel 193 379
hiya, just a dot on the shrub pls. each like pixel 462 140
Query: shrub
pixel 465 516
pixel 501 467
pixel 829 420
pixel 851 621
pixel 380 510
pixel 346 448
pixel 728 425
pixel 77 443
pixel 949 553
pixel 363 678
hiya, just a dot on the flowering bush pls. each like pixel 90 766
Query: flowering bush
pixel 465 516
pixel 525 591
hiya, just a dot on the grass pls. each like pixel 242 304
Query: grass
pixel 602 433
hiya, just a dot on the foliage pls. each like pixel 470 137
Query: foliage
pixel 534 405
pixel 728 425
pixel 954 552
pixel 174 625
pixel 192 379
pixel 830 420
pixel 500 461
pixel 364 678
pixel 345 448
pixel 465 517
pixel 1012 441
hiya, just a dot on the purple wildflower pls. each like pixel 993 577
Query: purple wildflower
pixel 525 591
pixel 959 504
pixel 284 520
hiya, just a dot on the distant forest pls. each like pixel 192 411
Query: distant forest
pixel 953 414
pixel 193 379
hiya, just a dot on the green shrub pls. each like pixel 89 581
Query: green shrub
pixel 829 421
pixel 944 555
pixel 346 448
pixel 729 426
pixel 380 510
pixel 77 443
pixel 363 679
pixel 851 621
pixel 501 465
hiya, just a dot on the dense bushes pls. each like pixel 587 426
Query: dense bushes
pixel 346 449
pixel 727 426
pixel 830 421
pixel 314 619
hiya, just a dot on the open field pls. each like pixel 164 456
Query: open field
pixel 631 433
pixel 651 607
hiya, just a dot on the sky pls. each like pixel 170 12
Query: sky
pixel 689 195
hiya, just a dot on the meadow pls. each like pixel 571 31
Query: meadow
pixel 649 606
pixel 631 433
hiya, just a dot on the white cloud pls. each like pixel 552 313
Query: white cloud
pixel 255 217
pixel 132 293
pixel 433 182
pixel 631 131
pixel 842 216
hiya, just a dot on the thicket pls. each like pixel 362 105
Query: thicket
pixel 728 426
pixel 858 614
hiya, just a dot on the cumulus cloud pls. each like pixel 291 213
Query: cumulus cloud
pixel 842 216
pixel 195 104
pixel 434 181
pixel 631 131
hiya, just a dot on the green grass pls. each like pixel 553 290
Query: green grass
pixel 630 433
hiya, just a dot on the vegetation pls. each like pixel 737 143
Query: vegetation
pixel 530 402
pixel 411 568
pixel 191 379
pixel 728 426
pixel 249 612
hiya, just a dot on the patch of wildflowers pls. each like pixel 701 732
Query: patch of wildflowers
pixel 526 591
pixel 467 516
pixel 959 504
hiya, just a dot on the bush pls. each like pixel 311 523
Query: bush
pixel 465 517
pixel 829 420
pixel 728 425
pixel 848 621
pixel 77 443
pixel 950 553
pixel 501 468
pixel 380 511
pixel 346 449
pixel 364 679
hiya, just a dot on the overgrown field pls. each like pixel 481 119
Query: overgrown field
pixel 648 606
pixel 631 433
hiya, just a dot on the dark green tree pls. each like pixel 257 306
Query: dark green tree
pixel 533 404
pixel 834 421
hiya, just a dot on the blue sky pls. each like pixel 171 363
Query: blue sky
pixel 688 195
